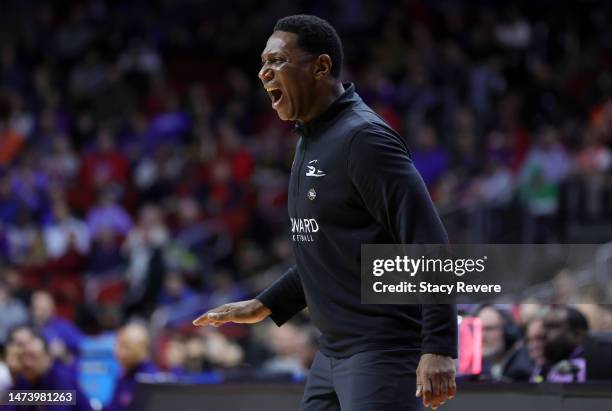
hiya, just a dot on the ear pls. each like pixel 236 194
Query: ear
pixel 323 66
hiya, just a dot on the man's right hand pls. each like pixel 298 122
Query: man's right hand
pixel 244 312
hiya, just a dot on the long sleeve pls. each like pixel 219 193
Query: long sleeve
pixel 394 194
pixel 285 297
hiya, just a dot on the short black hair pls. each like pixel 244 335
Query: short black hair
pixel 38 336
pixel 576 320
pixel 315 36
pixel 10 335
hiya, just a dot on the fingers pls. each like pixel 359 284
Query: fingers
pixel 215 317
pixel 201 321
pixel 440 386
pixel 436 390
pixel 427 391
pixel 446 389
pixel 452 388
pixel 435 385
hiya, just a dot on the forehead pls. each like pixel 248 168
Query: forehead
pixel 280 42
pixel 35 345
pixel 555 317
pixel 489 316
pixel 535 327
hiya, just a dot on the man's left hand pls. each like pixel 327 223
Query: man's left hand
pixel 435 380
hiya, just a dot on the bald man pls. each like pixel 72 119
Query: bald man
pixel 133 351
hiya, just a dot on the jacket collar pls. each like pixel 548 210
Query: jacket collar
pixel 318 124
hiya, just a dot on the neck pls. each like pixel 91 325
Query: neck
pixel 329 93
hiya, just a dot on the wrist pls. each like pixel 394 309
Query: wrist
pixel 259 308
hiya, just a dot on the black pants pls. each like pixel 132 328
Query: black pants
pixel 371 380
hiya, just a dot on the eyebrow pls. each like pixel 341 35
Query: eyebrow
pixel 270 54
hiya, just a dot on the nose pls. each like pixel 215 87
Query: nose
pixel 265 74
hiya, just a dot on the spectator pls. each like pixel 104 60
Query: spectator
pixel 105 165
pixel 293 352
pixel 146 269
pixel 63 337
pixel 62 164
pixel 504 357
pixel 65 233
pixel 175 356
pixel 215 351
pixel 133 351
pixel 565 329
pixel 108 215
pixel 534 335
pixel 39 371
pixel 546 166
pixel 17 339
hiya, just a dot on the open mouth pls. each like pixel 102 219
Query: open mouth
pixel 276 95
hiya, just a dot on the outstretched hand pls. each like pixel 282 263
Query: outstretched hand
pixel 244 312
pixel 435 380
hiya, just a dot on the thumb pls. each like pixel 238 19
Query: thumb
pixel 419 387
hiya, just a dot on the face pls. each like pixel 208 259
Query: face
pixel 535 341
pixel 35 361
pixel 288 75
pixel 492 332
pixel 15 347
pixel 43 307
pixel 559 341
pixel 132 346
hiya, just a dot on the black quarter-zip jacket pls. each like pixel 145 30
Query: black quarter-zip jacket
pixel 352 183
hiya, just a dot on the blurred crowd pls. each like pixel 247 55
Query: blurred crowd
pixel 143 174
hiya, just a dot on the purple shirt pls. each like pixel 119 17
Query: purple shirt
pixel 57 378
pixel 111 217
pixel 564 371
pixel 126 387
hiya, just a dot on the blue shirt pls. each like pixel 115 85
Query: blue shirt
pixel 58 328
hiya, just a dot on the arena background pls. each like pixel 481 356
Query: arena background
pixel 143 174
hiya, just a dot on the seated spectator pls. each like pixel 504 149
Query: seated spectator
pixel 37 370
pixel 132 350
pixel 565 329
pixel 107 214
pixel 174 356
pixel 65 232
pixel 22 237
pixel 63 337
pixel 534 336
pixel 16 339
pixel 106 165
pixel 503 356
pixel 292 350
pixel 217 351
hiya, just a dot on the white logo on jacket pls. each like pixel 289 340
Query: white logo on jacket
pixel 312 171
pixel 303 230
pixel 312 194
